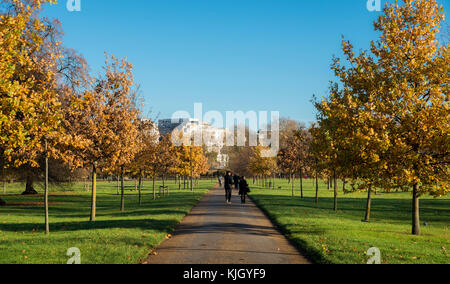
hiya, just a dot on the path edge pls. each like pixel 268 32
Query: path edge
pixel 142 261
pixel 306 251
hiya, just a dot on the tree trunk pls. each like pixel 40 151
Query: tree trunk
pixel 335 192
pixel 29 189
pixel 154 189
pixel 122 197
pixel 94 192
pixel 273 184
pixel 118 185
pixel 164 186
pixel 369 205
pixel 293 185
pixel 47 224
pixel 416 212
pixel 301 183
pixel 140 188
pixel 317 187
pixel 4 181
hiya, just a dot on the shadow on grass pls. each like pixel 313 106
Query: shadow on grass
pixel 144 224
pixel 435 211
pixel 303 247
pixel 383 209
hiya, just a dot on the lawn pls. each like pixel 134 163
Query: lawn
pixel 340 237
pixel 115 238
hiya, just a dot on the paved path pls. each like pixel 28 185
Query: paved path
pixel 217 233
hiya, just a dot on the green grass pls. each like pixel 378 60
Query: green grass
pixel 115 237
pixel 340 237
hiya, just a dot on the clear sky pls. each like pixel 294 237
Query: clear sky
pixel 227 54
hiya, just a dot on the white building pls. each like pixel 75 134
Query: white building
pixel 213 139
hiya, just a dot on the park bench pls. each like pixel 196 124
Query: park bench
pixel 164 190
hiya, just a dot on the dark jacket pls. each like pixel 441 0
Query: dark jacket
pixel 228 182
pixel 243 187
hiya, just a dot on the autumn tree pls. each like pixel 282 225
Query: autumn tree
pixel 239 156
pixel 239 160
pixel 200 165
pixel 30 107
pixel 144 161
pixel 294 157
pixel 288 160
pixel 259 165
pixel 318 148
pixel 400 93
pixel 356 136
pixel 101 122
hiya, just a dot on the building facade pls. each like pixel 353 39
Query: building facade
pixel 213 139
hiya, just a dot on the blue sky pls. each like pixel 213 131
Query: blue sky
pixel 227 54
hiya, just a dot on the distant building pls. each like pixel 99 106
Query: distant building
pixel 213 138
pixel 167 126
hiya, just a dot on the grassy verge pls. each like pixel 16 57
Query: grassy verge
pixel 114 238
pixel 340 237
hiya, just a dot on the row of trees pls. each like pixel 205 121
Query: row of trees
pixel 53 112
pixel 385 124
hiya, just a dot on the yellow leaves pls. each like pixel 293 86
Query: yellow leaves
pixel 199 161
pixel 391 117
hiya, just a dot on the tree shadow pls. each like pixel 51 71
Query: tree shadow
pixel 144 224
pixel 383 209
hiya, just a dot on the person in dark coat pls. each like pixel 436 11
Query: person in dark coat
pixel 244 189
pixel 228 179
pixel 236 181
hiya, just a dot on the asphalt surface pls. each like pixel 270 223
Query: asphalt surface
pixel 217 233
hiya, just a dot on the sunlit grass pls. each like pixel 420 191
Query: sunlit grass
pixel 341 237
pixel 115 237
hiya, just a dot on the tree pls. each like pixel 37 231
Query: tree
pixel 101 122
pixel 29 103
pixel 144 160
pixel 319 150
pixel 259 165
pixel 288 160
pixel 295 156
pixel 239 156
pixel 200 163
pixel 239 160
pixel 403 85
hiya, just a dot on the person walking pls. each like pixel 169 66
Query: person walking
pixel 228 187
pixel 244 189
pixel 236 181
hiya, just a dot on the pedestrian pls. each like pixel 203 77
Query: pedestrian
pixel 228 187
pixel 220 181
pixel 244 189
pixel 236 181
